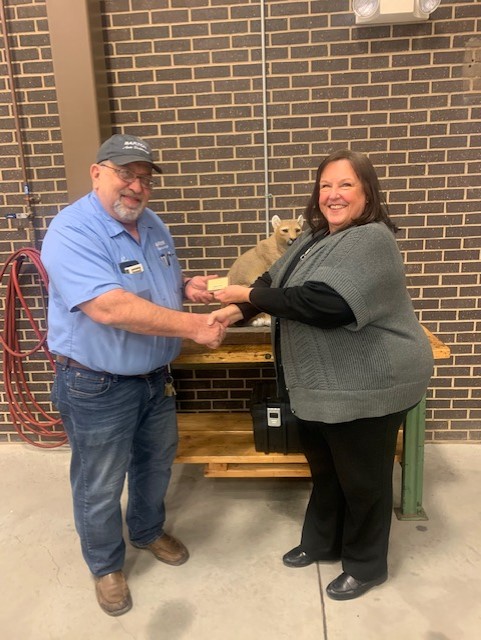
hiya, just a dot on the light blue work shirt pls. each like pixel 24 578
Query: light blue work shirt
pixel 86 253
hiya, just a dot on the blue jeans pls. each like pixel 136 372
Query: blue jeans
pixel 116 425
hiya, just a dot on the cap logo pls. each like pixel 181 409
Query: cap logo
pixel 134 144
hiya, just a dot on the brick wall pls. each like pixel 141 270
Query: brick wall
pixel 187 75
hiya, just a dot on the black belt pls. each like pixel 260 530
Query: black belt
pixel 69 362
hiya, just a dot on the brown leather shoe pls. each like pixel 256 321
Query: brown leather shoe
pixel 168 549
pixel 113 593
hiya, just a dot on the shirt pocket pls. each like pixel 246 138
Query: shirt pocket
pixel 138 284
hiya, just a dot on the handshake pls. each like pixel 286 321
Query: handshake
pixel 209 289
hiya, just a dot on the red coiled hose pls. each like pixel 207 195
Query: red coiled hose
pixel 27 414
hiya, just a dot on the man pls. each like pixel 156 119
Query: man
pixel 115 324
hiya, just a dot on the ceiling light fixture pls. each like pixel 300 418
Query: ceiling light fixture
pixel 365 8
pixel 428 6
pixel 393 11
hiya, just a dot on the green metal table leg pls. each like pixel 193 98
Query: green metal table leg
pixel 413 464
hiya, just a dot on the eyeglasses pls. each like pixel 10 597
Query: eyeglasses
pixel 128 176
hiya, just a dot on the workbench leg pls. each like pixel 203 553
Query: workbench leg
pixel 413 464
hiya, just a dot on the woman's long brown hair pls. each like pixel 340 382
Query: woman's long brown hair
pixel 376 209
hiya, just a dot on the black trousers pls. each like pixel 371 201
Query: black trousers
pixel 349 512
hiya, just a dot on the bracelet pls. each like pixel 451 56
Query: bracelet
pixel 184 285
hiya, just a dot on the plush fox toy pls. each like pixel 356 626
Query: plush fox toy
pixel 251 264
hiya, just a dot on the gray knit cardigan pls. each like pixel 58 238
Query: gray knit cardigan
pixel 381 363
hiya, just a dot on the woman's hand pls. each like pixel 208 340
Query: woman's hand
pixel 226 316
pixel 233 293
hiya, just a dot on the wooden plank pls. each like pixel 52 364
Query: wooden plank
pixel 440 350
pixel 257 471
pixel 215 421
pixel 234 470
pixel 195 356
pixel 228 447
pixel 216 469
pixel 252 352
pixel 215 445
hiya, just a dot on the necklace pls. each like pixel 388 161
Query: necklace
pixel 305 253
pixel 313 243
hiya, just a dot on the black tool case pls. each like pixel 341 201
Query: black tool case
pixel 275 426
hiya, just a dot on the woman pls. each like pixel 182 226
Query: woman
pixel 353 359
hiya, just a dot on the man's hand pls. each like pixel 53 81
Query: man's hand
pixel 195 289
pixel 207 331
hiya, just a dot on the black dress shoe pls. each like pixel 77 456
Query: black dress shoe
pixel 297 558
pixel 345 587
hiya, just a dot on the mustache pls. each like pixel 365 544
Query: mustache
pixel 130 194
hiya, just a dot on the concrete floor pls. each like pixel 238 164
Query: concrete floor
pixel 235 586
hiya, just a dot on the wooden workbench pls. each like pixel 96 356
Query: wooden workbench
pixel 224 442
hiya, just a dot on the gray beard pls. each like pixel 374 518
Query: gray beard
pixel 127 215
